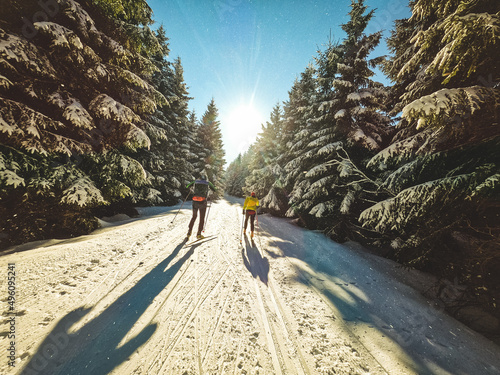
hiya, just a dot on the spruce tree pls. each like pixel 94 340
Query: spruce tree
pixel 167 128
pixel 266 149
pixel 442 165
pixel 236 174
pixel 74 102
pixel 196 155
pixel 265 170
pixel 350 125
pixel 300 123
pixel 212 156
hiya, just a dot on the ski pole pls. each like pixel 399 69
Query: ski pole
pixel 242 221
pixel 206 219
pixel 210 205
pixel 181 206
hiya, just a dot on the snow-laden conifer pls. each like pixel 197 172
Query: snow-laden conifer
pixel 442 163
pixel 75 90
pixel 349 124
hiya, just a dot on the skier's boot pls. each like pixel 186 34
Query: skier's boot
pixel 200 236
pixel 251 234
pixel 187 236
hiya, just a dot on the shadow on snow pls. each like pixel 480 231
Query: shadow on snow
pixel 254 261
pixel 367 297
pixel 93 349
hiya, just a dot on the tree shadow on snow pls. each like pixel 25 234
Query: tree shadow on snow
pixel 365 297
pixel 254 261
pixel 93 349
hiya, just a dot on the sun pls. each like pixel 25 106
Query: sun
pixel 241 122
pixel 241 126
pixel 245 118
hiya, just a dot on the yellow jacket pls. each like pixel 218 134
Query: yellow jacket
pixel 251 203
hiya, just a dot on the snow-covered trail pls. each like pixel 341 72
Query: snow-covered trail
pixel 135 299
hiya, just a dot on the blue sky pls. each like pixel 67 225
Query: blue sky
pixel 246 54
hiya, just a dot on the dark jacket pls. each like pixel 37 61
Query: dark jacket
pixel 201 189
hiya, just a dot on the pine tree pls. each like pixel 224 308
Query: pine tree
pixel 210 138
pixel 300 123
pixel 349 127
pixel 266 150
pixel 236 174
pixel 71 96
pixel 184 168
pixel 445 68
pixel 197 154
pixel 442 164
pixel 166 160
pixel 265 177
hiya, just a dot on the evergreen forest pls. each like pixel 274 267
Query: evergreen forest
pixel 411 170
pixel 95 120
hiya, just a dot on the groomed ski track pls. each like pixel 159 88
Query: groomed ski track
pixel 135 299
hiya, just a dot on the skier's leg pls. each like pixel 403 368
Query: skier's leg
pixel 252 225
pixel 193 219
pixel 246 222
pixel 203 210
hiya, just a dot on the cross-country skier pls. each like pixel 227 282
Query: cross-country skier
pixel 250 210
pixel 200 195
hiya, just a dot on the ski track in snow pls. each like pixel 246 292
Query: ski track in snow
pixel 134 298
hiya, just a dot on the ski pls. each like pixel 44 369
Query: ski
pixel 200 239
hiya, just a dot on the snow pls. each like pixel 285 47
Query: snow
pixel 345 168
pixel 6 127
pixel 316 171
pixel 326 105
pixel 342 84
pixel 78 115
pixel 11 178
pixel 73 110
pixel 330 148
pixel 82 192
pixel 133 78
pixel 5 83
pixel 410 204
pixel 137 138
pixel 85 23
pixel 106 107
pixel 61 36
pixel 319 210
pixel 399 151
pixel 449 102
pixel 353 97
pixel 489 184
pixel 340 113
pixel 132 169
pixel 345 206
pixel 21 53
pixel 130 298
pixel 360 137
pixel 109 221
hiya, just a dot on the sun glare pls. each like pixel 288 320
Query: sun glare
pixel 246 118
pixel 240 125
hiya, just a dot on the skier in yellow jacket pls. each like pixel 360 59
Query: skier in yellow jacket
pixel 250 210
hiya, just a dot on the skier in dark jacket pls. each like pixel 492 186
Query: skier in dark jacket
pixel 200 195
